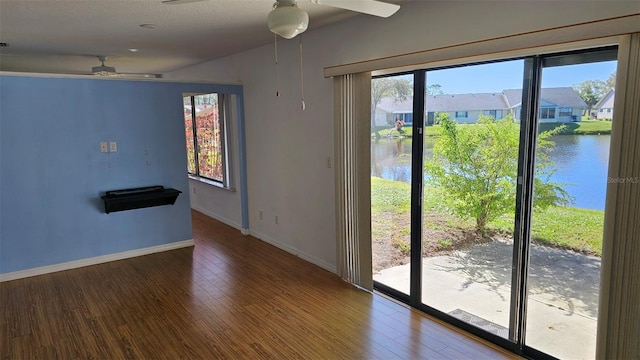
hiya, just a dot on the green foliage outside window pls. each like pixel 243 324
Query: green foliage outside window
pixel 474 169
pixel 208 159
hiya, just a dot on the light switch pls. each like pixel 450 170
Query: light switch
pixel 103 147
pixel 113 146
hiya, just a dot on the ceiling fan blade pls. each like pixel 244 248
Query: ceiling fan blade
pixel 110 71
pixel 371 7
pixel 139 76
pixel 179 2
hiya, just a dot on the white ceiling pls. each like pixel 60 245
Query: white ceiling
pixel 65 36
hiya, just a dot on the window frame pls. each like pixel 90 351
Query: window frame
pixel 224 145
pixel 496 114
pixel 565 111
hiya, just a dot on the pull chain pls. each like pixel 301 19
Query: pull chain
pixel 301 75
pixel 275 42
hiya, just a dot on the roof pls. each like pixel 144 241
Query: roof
pixel 390 106
pixel 466 102
pixel 608 97
pixel 448 102
pixel 510 98
pixel 514 97
pixel 561 96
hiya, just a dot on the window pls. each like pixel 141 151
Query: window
pixel 496 114
pixel 462 114
pixel 547 113
pixel 565 111
pixel 206 137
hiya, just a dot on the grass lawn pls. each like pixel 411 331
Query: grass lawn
pixel 407 131
pixel 564 227
pixel 559 226
pixel 585 127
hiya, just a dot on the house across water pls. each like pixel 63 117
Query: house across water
pixel 604 108
pixel 560 104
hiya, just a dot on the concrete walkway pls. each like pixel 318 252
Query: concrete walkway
pixel 474 283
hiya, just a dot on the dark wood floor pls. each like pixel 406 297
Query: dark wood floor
pixel 231 296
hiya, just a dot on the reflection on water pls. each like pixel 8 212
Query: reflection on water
pixel 581 161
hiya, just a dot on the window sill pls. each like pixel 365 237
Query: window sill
pixel 211 182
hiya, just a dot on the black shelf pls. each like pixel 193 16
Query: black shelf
pixel 136 198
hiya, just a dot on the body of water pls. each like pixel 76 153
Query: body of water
pixel 581 162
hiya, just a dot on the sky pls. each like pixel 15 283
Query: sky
pixel 495 77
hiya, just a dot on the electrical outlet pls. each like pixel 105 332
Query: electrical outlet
pixel 113 146
pixel 276 220
pixel 329 162
pixel 103 147
pixel 260 214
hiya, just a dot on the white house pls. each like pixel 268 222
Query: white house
pixel 466 108
pixel 561 104
pixel 389 110
pixel 604 107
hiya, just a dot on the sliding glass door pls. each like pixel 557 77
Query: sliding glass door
pixel 488 188
pixel 391 130
pixel 575 112
pixel 469 197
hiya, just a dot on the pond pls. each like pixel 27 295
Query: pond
pixel 581 162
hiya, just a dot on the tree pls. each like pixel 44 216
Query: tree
pixel 611 81
pixel 591 91
pixel 475 169
pixel 440 116
pixel 434 89
pixel 399 88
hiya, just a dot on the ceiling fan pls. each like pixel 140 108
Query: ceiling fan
pixel 288 20
pixel 110 71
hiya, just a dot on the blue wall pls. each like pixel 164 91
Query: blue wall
pixel 52 172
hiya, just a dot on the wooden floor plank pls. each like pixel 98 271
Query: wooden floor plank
pixel 229 297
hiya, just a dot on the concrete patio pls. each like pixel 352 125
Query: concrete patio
pixel 475 283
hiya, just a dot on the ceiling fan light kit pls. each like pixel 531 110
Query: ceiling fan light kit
pixel 103 70
pixel 287 19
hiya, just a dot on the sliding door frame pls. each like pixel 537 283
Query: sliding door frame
pixel 532 76
pixel 417 179
pixel 524 199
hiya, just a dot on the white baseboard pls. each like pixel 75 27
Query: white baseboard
pixel 223 220
pixel 323 264
pixel 291 250
pixel 94 260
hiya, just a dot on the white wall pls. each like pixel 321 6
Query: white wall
pixel 287 148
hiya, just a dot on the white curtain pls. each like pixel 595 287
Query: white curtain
pixel 352 126
pixel 619 310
